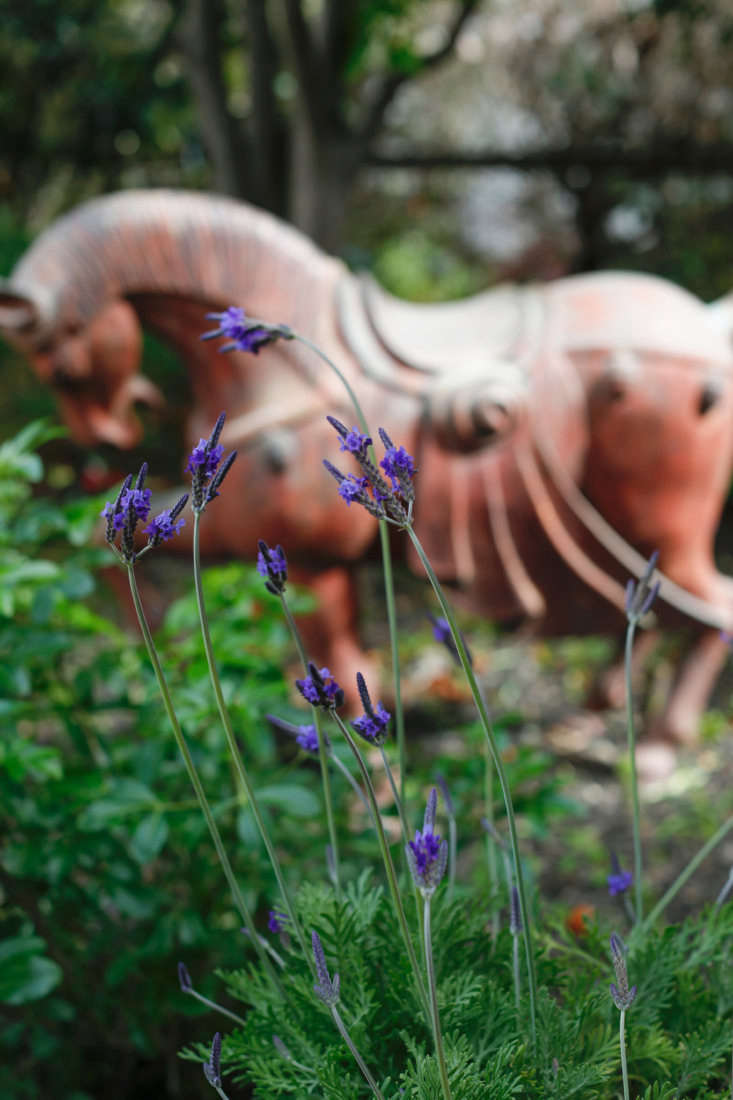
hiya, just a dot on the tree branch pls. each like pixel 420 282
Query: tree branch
pixel 305 61
pixel 197 38
pixel 266 124
pixel 391 82
pixel 652 161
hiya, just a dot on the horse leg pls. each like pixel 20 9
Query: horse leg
pixel 330 633
pixel 679 722
pixel 609 690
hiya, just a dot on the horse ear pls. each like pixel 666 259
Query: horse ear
pixel 720 313
pixel 19 313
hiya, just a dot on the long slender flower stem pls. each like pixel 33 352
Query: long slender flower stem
pixel 688 872
pixel 631 737
pixel 233 747
pixel 622 1044
pixel 435 1015
pixel 386 569
pixel 322 750
pixel 496 757
pixel 216 1007
pixel 388 866
pixel 395 795
pixel 195 781
pixel 357 1057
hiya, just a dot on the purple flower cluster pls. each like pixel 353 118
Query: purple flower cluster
pixel 427 854
pixel 372 724
pixel 619 882
pixel 390 499
pixel 204 466
pixel 166 524
pixel 273 566
pixel 277 920
pixel 243 334
pixel 320 688
pixel 130 507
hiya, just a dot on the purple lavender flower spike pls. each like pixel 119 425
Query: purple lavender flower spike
pixel 307 738
pixel 447 797
pixel 184 978
pixel 277 920
pixel 131 506
pixel 399 466
pixel 619 880
pixel 273 566
pixel 427 854
pixel 305 735
pixel 243 334
pixel 354 441
pixel 204 466
pixel 443 634
pixel 212 1068
pixel 327 990
pixel 623 997
pixel 372 724
pixel 320 688
pixel 166 525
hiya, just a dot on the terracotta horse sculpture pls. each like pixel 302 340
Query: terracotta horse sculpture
pixel 562 432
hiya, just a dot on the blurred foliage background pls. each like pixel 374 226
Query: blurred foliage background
pixel 445 144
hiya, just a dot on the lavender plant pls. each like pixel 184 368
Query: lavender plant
pixel 465 1028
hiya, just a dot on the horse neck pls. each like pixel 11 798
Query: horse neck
pixel 179 245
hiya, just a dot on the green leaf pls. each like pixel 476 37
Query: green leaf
pixel 290 799
pixel 149 837
pixel 25 974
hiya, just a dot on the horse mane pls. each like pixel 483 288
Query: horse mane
pixel 183 243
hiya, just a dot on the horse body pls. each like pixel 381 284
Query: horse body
pixel 562 433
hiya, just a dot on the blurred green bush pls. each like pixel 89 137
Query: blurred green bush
pixel 107 875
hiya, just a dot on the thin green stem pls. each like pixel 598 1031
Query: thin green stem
pixel 622 1043
pixel 216 1007
pixel 496 758
pixel 434 1012
pixel 242 773
pixel 631 737
pixel 395 795
pixel 357 1057
pixel 194 778
pixel 688 872
pixel 354 785
pixel 322 750
pixel 386 569
pixel 388 866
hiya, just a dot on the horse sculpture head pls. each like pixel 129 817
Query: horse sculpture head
pixel 91 366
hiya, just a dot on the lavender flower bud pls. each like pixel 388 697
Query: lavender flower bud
pixel 203 465
pixel 427 854
pixel 244 334
pixel 320 689
pixel 273 566
pixel 166 524
pixel 372 725
pixel 443 634
pixel 184 978
pixel 212 1068
pixel 618 881
pixel 639 598
pixel 280 1047
pixel 326 990
pixel 623 997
